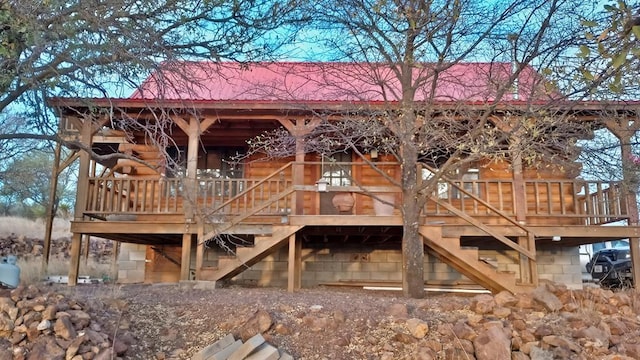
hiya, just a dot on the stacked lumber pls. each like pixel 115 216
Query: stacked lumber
pixel 228 348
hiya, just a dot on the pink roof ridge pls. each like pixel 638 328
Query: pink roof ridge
pixel 333 82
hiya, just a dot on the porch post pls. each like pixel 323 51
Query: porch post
pixel 528 267
pixel 185 262
pixel 632 208
pixel 294 278
pixel 74 266
pixel 298 177
pixel 114 261
pixel 85 248
pixel 192 167
pixel 86 134
pixel 51 208
pixel 624 131
pixel 298 128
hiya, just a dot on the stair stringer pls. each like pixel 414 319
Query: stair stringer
pixel 467 262
pixel 245 257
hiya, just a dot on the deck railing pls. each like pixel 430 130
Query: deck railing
pixel 579 202
pixel 119 195
pixel 259 196
pixel 586 202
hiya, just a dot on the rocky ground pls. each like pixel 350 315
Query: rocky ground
pixel 176 321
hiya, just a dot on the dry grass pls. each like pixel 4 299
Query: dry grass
pixel 31 271
pixel 33 228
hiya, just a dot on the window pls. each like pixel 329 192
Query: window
pixel 442 191
pixel 219 164
pixel 217 171
pixel 468 181
pixel 334 172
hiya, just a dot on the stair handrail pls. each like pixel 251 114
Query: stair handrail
pixel 251 211
pixel 251 188
pixel 483 202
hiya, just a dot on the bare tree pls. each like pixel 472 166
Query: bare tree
pixel 432 110
pixel 104 48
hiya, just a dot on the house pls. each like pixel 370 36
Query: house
pixel 273 223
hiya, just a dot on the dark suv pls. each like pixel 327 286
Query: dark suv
pixel 611 267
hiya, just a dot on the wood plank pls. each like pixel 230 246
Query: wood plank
pixel 247 348
pixel 214 348
pixel 264 352
pixel 226 352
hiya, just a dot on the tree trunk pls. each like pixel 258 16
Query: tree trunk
pixel 412 245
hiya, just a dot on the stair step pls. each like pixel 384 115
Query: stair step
pixel 250 255
pixel 489 261
pixel 138 148
pixel 128 166
pixel 134 163
pixel 244 250
pixel 467 260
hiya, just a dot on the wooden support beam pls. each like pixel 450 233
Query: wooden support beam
pixel 185 263
pixel 114 261
pixel 624 131
pixel 192 167
pixel 200 251
pixel 528 267
pixel 86 134
pixel 298 177
pixel 207 122
pixel 51 208
pixel 299 128
pixel 68 161
pixel 294 277
pixel 74 265
pixel 86 244
pixel 182 124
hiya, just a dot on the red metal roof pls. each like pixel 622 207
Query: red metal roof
pixel 330 82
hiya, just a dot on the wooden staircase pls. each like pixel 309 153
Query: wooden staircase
pixel 247 256
pixel 466 260
pixel 151 160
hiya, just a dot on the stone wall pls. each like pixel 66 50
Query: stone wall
pixel 131 263
pixel 362 264
pixel 330 265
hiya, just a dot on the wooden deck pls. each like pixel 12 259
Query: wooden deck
pixel 271 210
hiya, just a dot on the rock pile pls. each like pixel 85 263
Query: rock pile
pixel 551 322
pixel 27 248
pixel 38 325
